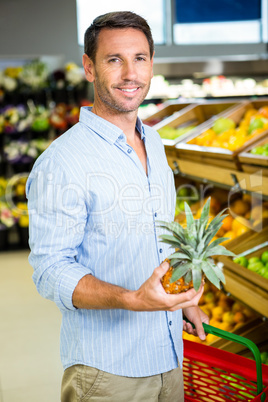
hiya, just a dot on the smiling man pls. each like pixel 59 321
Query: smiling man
pixel 95 196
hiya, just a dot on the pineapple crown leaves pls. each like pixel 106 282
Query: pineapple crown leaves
pixel 194 247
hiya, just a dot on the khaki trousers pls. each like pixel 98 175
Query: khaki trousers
pixel 82 384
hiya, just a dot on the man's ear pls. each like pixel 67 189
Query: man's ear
pixel 89 68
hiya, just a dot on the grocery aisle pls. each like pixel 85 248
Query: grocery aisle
pixel 30 367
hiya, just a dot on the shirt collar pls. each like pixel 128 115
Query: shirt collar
pixel 104 128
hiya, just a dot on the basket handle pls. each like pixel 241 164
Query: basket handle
pixel 209 329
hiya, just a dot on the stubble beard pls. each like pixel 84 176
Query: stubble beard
pixel 112 103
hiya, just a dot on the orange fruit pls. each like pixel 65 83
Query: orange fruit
pixel 239 317
pixel 264 111
pixel 240 207
pixel 227 223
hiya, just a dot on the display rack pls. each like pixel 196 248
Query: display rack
pixel 226 178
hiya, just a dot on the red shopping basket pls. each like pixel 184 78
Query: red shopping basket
pixel 215 375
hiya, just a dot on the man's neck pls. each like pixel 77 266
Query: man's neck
pixel 125 121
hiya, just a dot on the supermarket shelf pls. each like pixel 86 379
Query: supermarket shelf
pixel 223 177
pixel 248 293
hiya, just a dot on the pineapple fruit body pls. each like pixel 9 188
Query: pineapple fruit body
pixel 194 245
pixel 178 286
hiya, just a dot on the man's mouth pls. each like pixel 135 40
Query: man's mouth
pixel 128 89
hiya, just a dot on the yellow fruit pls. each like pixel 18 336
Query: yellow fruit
pixel 236 307
pixel 237 224
pixel 242 230
pixel 211 338
pixel 217 313
pixel 209 297
pixel 225 326
pixel 228 317
pixel 230 235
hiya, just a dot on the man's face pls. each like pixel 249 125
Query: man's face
pixel 122 70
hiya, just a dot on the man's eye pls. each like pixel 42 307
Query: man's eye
pixel 140 59
pixel 114 60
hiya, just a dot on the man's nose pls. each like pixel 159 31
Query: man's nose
pixel 129 70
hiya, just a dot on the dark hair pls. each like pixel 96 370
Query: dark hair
pixel 115 20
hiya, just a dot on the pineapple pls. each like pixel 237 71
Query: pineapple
pixel 191 262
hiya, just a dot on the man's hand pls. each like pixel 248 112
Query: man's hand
pixel 197 317
pixel 151 296
pixel 92 293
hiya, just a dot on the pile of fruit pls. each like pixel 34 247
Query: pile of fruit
pixel 188 193
pixel 261 150
pixel 255 264
pixel 225 134
pixel 224 313
pixel 244 213
pixel 172 133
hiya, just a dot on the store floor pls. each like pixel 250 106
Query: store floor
pixel 30 367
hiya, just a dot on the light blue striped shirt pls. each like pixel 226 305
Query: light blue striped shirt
pixel 93 210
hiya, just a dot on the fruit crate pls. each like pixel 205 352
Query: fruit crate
pixel 252 163
pixel 166 113
pixel 197 115
pixel 217 156
pixel 211 374
pixel 248 286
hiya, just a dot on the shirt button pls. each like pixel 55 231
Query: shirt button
pixel 129 151
pixel 160 250
pixel 121 137
pixel 170 323
pixel 155 214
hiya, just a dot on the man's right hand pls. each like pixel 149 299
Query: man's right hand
pixel 151 296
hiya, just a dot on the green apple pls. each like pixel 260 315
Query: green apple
pixel 241 261
pixel 264 257
pixel 254 259
pixel 255 124
pixel 255 266
pixel 262 271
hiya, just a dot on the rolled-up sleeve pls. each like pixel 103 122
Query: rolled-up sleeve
pixel 57 218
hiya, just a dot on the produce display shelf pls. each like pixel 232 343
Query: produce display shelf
pixel 247 292
pixel 249 182
pixel 252 162
pixel 250 287
pixel 198 115
pixel 216 155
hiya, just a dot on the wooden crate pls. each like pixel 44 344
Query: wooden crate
pixel 248 286
pixel 194 114
pixel 167 112
pixel 219 156
pixel 248 240
pixel 252 163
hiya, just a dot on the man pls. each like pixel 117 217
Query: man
pixel 94 199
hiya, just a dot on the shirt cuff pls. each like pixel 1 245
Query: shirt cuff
pixel 67 284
